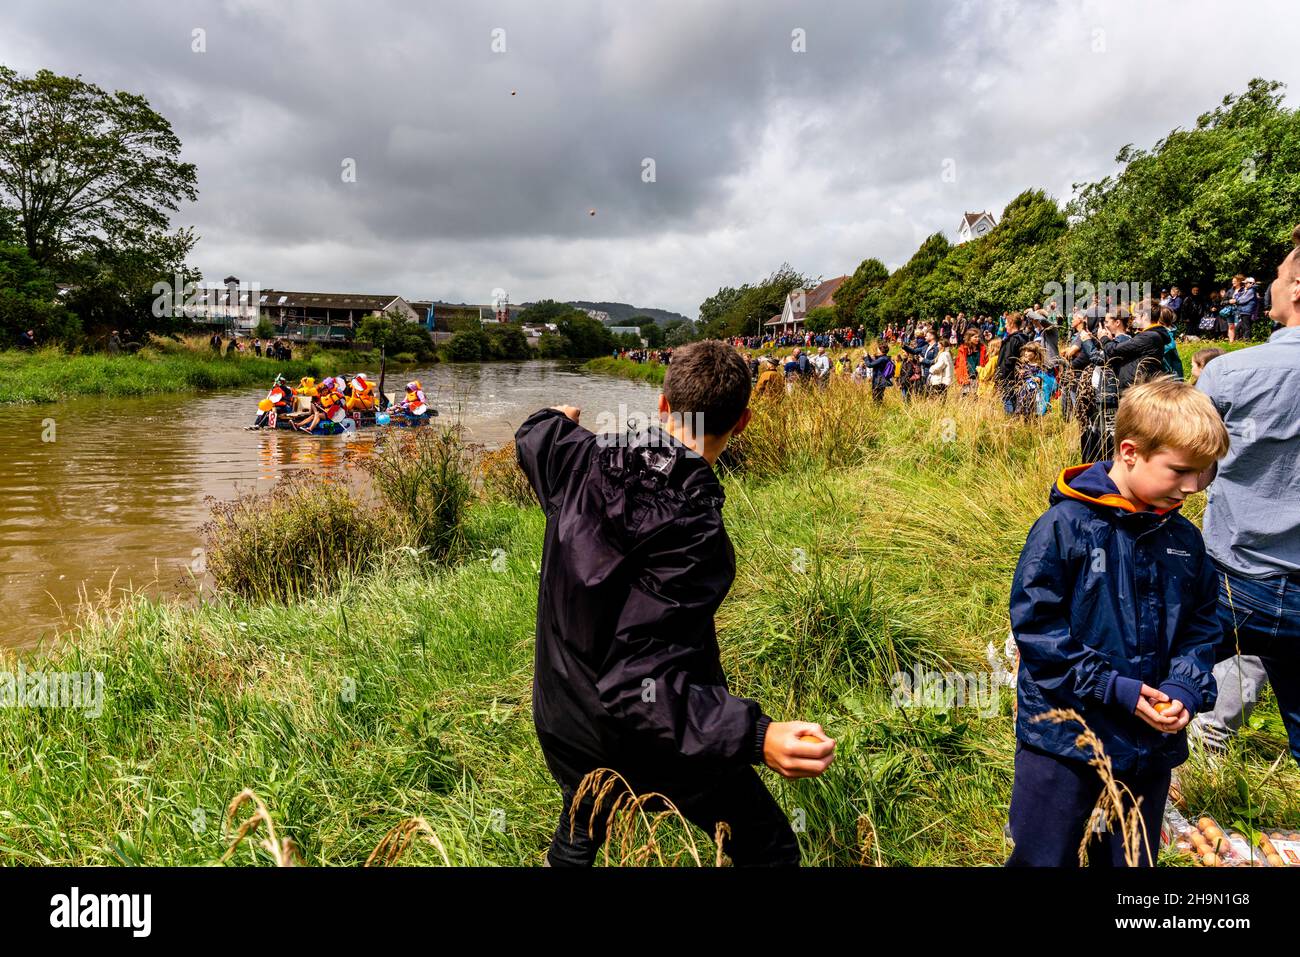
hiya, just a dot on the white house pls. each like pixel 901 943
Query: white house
pixel 974 225
pixel 800 302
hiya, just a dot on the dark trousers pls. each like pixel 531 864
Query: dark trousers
pixel 760 833
pixel 1051 807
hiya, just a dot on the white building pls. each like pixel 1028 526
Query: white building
pixel 974 225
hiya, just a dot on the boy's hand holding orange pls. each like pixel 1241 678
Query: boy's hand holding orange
pixel 1160 711
pixel 797 749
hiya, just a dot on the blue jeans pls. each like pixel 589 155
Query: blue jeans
pixel 1261 617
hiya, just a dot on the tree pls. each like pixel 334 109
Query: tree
pixel 736 312
pixel 114 285
pixel 820 319
pixel 80 167
pixel 587 337
pixel 547 310
pixel 27 301
pixel 552 345
pixel 901 293
pixel 1200 205
pixel 679 333
pixel 394 333
pixel 265 329
pixel 870 274
pixel 651 331
pixel 507 342
pixel 470 345
pixel 718 305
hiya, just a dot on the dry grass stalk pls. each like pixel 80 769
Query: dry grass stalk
pixel 1110 805
pixel 625 810
pixel 283 851
pixel 399 839
pixel 866 841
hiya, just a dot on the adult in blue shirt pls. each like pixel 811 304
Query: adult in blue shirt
pixel 1252 513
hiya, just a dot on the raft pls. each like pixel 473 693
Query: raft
pixel 361 421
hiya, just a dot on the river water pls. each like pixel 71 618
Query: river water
pixel 98 495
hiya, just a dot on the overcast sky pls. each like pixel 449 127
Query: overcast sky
pixel 476 167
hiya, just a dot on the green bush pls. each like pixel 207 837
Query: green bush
pixel 507 342
pixel 423 477
pixel 303 538
pixel 468 346
pixel 552 345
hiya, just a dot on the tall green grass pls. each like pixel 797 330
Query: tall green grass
pixel 51 375
pixel 406 694
pixel 652 372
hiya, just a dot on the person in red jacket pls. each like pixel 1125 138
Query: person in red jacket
pixel 970 356
pixel 635 561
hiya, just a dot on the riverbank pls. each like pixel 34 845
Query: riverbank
pixel 651 372
pixel 870 541
pixel 52 375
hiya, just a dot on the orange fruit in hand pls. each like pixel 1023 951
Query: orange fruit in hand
pixel 810 737
pixel 1163 706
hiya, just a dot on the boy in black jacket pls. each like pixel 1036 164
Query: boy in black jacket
pixel 635 562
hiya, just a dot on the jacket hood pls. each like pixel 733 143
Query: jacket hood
pixel 1092 484
pixel 652 460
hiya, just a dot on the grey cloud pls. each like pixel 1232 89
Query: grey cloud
pixel 462 187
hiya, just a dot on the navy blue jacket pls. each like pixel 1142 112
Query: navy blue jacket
pixel 877 367
pixel 1104 599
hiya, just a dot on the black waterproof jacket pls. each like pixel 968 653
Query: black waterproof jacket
pixel 635 562
pixel 1138 357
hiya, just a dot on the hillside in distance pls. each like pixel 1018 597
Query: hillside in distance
pixel 620 313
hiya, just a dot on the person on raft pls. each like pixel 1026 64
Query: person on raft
pixel 415 404
pixel 279 400
pixel 360 394
pixel 326 406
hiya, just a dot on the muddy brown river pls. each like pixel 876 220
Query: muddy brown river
pixel 100 495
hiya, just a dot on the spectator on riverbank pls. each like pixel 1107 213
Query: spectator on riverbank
pixel 648 624
pixel 1252 517
pixel 1245 309
pixel 1193 313
pixel 971 354
pixel 941 372
pixel 771 383
pixel 1005 376
pixel 1082 634
pixel 1202 358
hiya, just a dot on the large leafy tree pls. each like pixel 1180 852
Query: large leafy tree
pixel 80 166
pixel 1201 204
pixel 547 310
pixel 734 312
pixel 857 301
pixel 395 334
pixel 902 294
pixel 651 331
pixel 88 183
pixel 587 337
